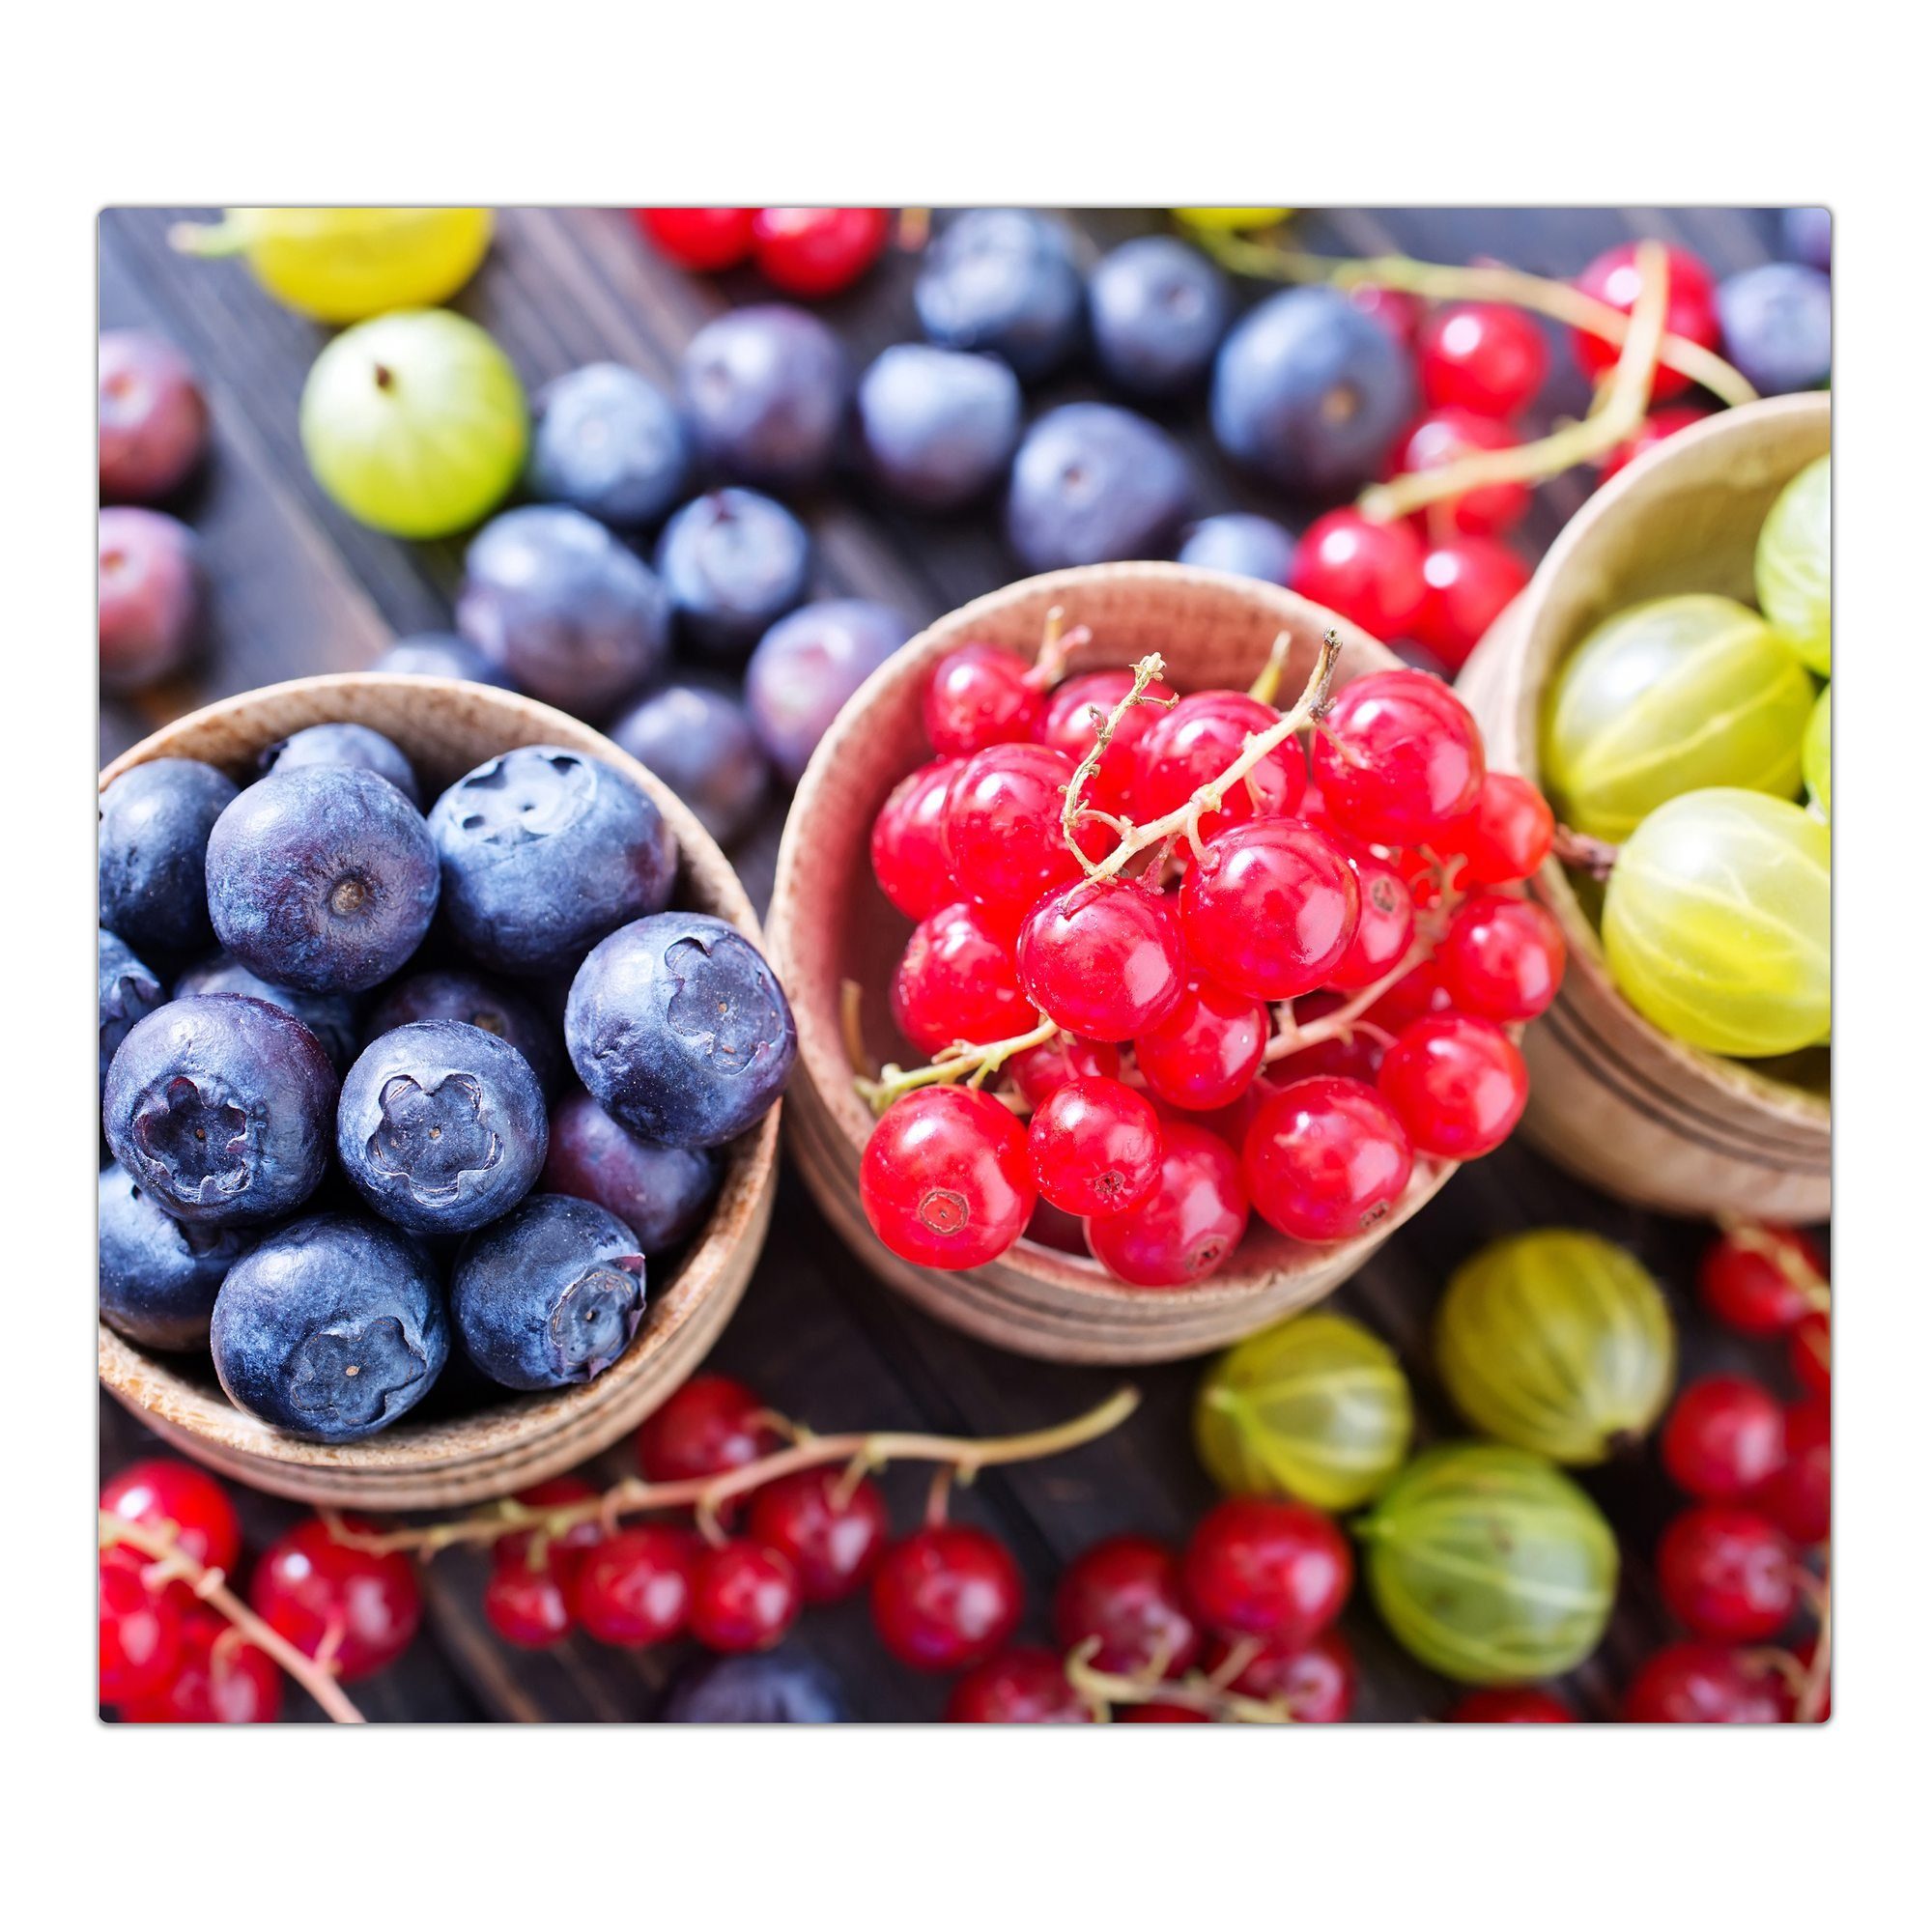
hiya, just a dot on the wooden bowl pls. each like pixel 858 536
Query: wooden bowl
pixel 448 727
pixel 1613 1099
pixel 830 922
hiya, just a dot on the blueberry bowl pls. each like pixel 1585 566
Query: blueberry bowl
pixel 470 1441
pixel 829 923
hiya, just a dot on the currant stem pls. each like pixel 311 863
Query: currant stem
pixel 1070 812
pixel 1754 1238
pixel 1584 854
pixel 976 1063
pixel 1289 1037
pixel 1194 1691
pixel 1264 686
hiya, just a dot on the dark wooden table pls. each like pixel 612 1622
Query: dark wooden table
pixel 299 588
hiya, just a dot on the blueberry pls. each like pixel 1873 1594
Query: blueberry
pixel 328 1016
pixel 765 390
pixel 806 666
pixel 680 1030
pixel 562 609
pixel 1159 310
pixel 660 1193
pixel 552 1294
pixel 155 822
pixel 222 1108
pixel 442 1127
pixel 448 994
pixel 323 879
pixel 129 992
pixel 733 563
pixel 1095 484
pixel 160 1276
pixel 331 1328
pixel 701 742
pixel 355 746
pixel 544 851
pixel 1807 235
pixel 1310 392
pixel 439 654
pixel 774 1687
pixel 605 441
pixel 938 426
pixel 1241 545
pixel 1777 321
pixel 1002 279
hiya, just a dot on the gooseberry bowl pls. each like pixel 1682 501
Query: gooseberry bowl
pixel 452 1455
pixel 830 924
pixel 1612 1097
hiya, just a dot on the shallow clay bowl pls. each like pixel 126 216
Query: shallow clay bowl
pixel 1610 1097
pixel 829 922
pixel 447 728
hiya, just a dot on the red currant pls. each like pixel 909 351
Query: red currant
pixel 1041 1070
pixel 1505 836
pixel 700 239
pixel 1387 921
pixel 1804 1655
pixel 1415 996
pixel 1660 426
pixel 1702 1684
pixel 356 1609
pixel 955 980
pixel 1798 1496
pixel 1023 1686
pixel 1096 1147
pixel 1068 723
pixel 178 1501
pixel 1325 1158
pixel 1126 1592
pixel 1509 1705
pixel 1727 1573
pixel 830 1529
pixel 1315 1683
pixel 743 1597
pixel 1394 309
pixel 635 1587
pixel 1485 356
pixel 1446 436
pixel 709 1426
pixel 1761 1281
pixel 946 1181
pixel 1052 1228
pixel 1808 1349
pixel 1471 582
pixel 535 1548
pixel 1192 744
pixel 141 1630
pixel 1458 1084
pixel 1002 829
pixel 219 1678
pixel 1103 959
pixel 947 1597
pixel 1723 1438
pixel 1398 757
pixel 1161 1714
pixel 979 696
pixel 1356 1054
pixel 1270 908
pixel 1501 959
pixel 908 841
pixel 1366 572
pixel 1690 310
pixel 1207 1051
pixel 1268 1569
pixel 818 252
pixel 526 1604
pixel 1188 1224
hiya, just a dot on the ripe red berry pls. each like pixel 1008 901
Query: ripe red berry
pixel 947 1597
pixel 1526 1705
pixel 1127 1592
pixel 743 1597
pixel 830 1529
pixel 1484 356
pixel 1761 1281
pixel 1026 1684
pixel 1504 836
pixel 703 239
pixel 1315 1683
pixel 1808 1349
pixel 141 1630
pixel 178 1501
pixel 1103 959
pixel 1724 1437
pixel 1727 1573
pixel 1398 757
pixel 1387 921
pixel 218 1678
pixel 1096 1147
pixel 1471 582
pixel 1270 908
pixel 710 1425
pixel 635 1587
pixel 1660 426
pixel 1690 310
pixel 946 1181
pixel 1394 309
pixel 955 980
pixel 1002 829
pixel 1325 1158
pixel 1501 959
pixel 1702 1684
pixel 1274 1570
pixel 1416 995
pixel 1458 1084
pixel 1039 1070
pixel 1187 1225
pixel 1207 1051
pixel 908 843
pixel 526 1603
pixel 1192 744
pixel 1068 723
pixel 1444 437
pixel 1161 1714
pixel 977 695
pixel 1798 1496
pixel 358 1610
pixel 1366 572
pixel 818 252
pixel 535 1547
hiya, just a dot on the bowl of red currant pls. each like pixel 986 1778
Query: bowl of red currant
pixel 1157 947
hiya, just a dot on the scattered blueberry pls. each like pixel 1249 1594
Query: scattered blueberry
pixel 1807 235
pixel 1311 393
pixel 774 1687
pixel 1242 545
pixel 1095 484
pixel 129 992
pixel 328 1016
pixel 562 609
pixel 606 442
pixel 680 1030
pixel 1777 321
pixel 222 1108
pixel 331 1328
pixel 806 666
pixel 765 390
pixel 324 878
pixel 1159 310
pixel 355 746
pixel 550 1294
pixel 660 1193
pixel 733 563
pixel 160 1276
pixel 544 851
pixel 155 822
pixel 450 994
pixel 1003 279
pixel 938 426
pixel 150 597
pixel 701 742
pixel 439 654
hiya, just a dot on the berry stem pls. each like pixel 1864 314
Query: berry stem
pixel 976 1063
pixel 1195 1692
pixel 1818 1679
pixel 1289 1037
pixel 1268 682
pixel 1788 1260
pixel 1584 854
pixel 1057 645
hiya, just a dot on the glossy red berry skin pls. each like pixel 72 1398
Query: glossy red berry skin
pixel 1702 1684
pixel 1159 1713
pixel 1187 1225
pixel 1808 1349
pixel 703 239
pixel 908 841
pixel 218 1678
pixel 1066 722
pixel 1095 1147
pixel 955 980
pixel 526 1603
pixel 1270 908
pixel 710 1425
pixel 1525 1705
pixel 1262 1568
pixel 1727 1573
pixel 1444 437
pixel 1798 1494
pixel 1002 830
pixel 1394 309
pixel 1660 426
pixel 1759 1280
pixel 1040 1070
pixel 1026 1684
pixel 1416 995
pixel 1471 582
pixel 141 1630
pixel 1386 923
pixel 635 1587
pixel 1366 572
pixel 1192 744
pixel 1398 757
pixel 1207 1051
pixel 831 1530
pixel 947 1597
pixel 1103 959
pixel 177 1500
pixel 1316 1683
pixel 1325 1158
pixel 818 252
pixel 1484 356
pixel 946 1181
pixel 1458 1084
pixel 1690 310
pixel 1501 959
pixel 1723 1438
pixel 318 1592
pixel 743 1598
pixel 1504 836
pixel 561 1554
pixel 979 696
pixel 1126 1592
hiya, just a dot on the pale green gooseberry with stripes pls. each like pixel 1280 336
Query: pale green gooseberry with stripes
pixel 1818 755
pixel 1666 697
pixel 1315 1408
pixel 1794 565
pixel 1717 922
pixel 1557 1341
pixel 1488 1565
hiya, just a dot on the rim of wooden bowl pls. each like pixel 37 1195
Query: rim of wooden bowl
pixel 808 891
pixel 526 1437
